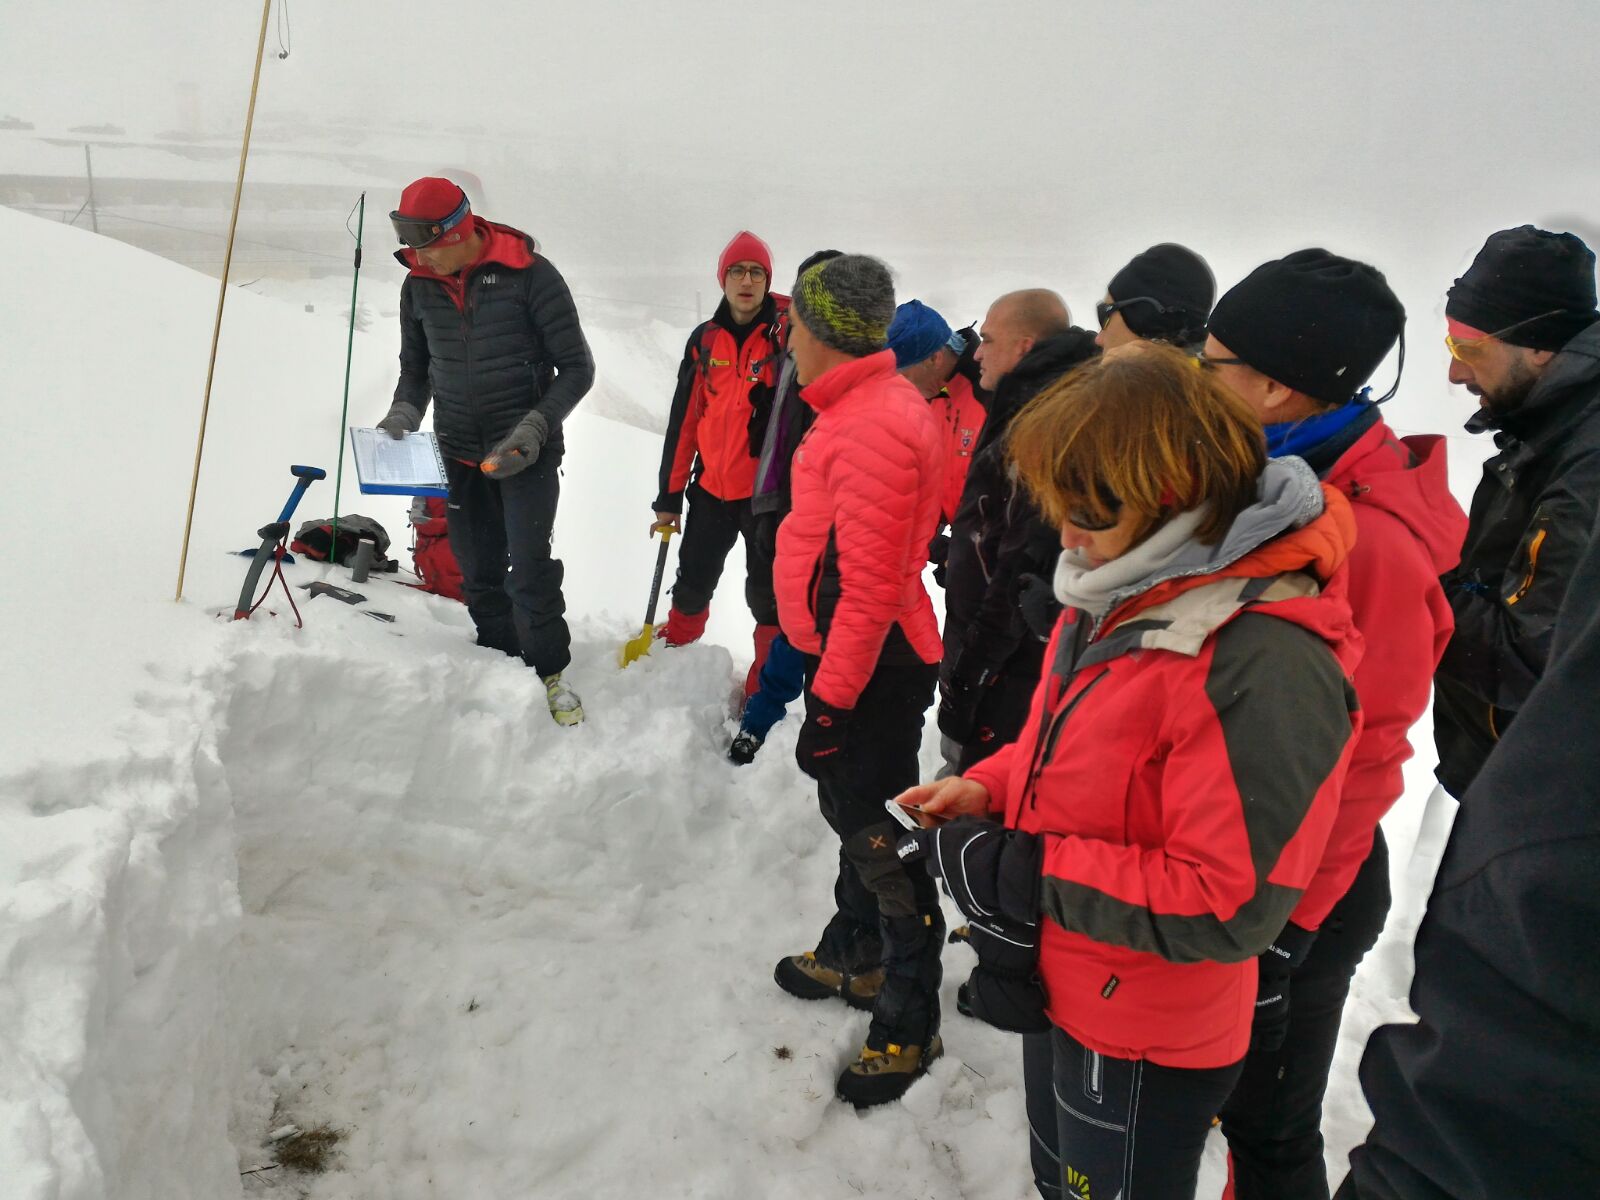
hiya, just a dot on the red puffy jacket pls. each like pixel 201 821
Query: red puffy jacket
pixel 1184 766
pixel 865 487
pixel 1409 532
pixel 964 416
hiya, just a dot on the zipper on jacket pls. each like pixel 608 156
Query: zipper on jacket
pixel 1533 566
pixel 1051 734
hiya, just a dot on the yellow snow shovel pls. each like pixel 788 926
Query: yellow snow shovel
pixel 636 648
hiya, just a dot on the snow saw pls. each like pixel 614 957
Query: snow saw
pixel 636 648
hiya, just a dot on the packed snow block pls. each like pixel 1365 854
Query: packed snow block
pixel 118 906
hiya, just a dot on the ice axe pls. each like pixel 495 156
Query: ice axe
pixel 273 534
pixel 636 648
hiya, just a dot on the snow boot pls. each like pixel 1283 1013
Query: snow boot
pixel 885 1073
pixel 805 976
pixel 764 636
pixel 743 750
pixel 566 709
pixel 681 628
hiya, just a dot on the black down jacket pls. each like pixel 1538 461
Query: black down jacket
pixel 511 344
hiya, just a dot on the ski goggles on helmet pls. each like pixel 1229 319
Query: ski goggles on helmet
pixel 418 232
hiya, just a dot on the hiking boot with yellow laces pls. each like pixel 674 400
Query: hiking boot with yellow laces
pixel 881 1076
pixel 809 978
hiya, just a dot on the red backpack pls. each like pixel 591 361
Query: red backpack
pixel 435 564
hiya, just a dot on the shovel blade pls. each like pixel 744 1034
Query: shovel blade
pixel 636 648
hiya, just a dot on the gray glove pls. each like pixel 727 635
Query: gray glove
pixel 520 449
pixel 403 418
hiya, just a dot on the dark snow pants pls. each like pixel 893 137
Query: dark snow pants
pixel 1273 1120
pixel 500 533
pixel 1001 714
pixel 887 912
pixel 1117 1127
pixel 710 527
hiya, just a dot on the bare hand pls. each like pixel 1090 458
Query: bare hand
pixel 953 797
pixel 665 520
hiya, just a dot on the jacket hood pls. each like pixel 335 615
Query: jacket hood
pixel 1407 478
pixel 504 245
pixel 1039 367
pixel 1575 369
pixel 1297 524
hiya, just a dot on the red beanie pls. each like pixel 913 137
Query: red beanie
pixel 434 199
pixel 745 247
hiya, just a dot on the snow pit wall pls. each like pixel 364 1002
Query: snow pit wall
pixel 118 911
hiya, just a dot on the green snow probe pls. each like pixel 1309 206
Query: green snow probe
pixel 349 350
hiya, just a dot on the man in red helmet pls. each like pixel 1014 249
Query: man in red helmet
pixel 713 444
pixel 488 331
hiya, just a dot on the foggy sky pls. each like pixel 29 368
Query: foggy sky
pixel 975 143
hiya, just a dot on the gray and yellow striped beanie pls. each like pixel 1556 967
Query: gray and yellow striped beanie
pixel 847 303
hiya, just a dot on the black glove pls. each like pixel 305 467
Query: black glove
pixel 993 877
pixel 520 449
pixel 1036 599
pixel 402 419
pixel 939 557
pixel 958 703
pixel 1277 965
pixel 822 737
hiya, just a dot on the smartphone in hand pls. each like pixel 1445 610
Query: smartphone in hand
pixel 911 816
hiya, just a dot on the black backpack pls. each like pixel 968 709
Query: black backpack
pixel 315 539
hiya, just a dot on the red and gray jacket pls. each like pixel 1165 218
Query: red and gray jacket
pixel 490 344
pixel 865 485
pixel 1409 531
pixel 720 409
pixel 1183 761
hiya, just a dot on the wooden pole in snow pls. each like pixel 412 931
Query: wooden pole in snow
pixel 222 295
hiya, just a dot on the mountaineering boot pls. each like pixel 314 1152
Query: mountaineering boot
pixel 885 1073
pixel 744 747
pixel 681 628
pixel 805 976
pixel 566 709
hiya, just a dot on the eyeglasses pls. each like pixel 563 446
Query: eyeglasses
pixel 753 274
pixel 1200 359
pixel 1470 350
pixel 417 232
pixel 1106 308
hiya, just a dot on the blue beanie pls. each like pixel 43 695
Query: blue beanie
pixel 916 332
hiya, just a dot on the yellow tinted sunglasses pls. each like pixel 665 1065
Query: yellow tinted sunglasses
pixel 1471 350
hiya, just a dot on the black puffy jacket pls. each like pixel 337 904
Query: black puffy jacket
pixel 491 345
pixel 998 534
pixel 1530 521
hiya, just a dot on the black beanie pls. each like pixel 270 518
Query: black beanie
pixel 1525 273
pixel 1312 320
pixel 1179 281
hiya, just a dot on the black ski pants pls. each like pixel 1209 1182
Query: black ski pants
pixel 710 527
pixel 1105 1126
pixel 1273 1120
pixel 500 533
pixel 886 911
pixel 1001 714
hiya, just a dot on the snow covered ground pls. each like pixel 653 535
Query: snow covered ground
pixel 353 876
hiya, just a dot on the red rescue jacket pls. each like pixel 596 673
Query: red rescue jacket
pixel 1183 762
pixel 964 416
pixel 1409 532
pixel 720 408
pixel 865 487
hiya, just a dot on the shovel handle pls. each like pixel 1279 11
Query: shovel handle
pixel 661 570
